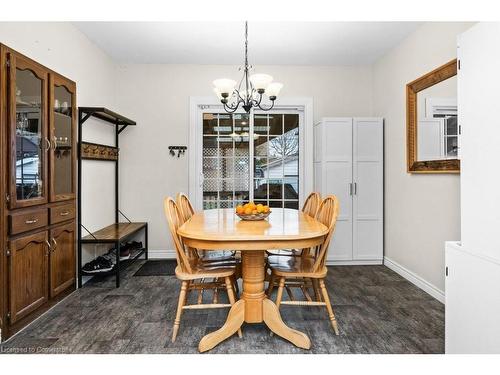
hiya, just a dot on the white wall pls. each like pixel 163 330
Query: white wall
pixel 421 211
pixel 64 49
pixel 157 96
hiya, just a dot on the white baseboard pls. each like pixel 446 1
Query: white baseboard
pixel 354 262
pixel 415 279
pixel 161 254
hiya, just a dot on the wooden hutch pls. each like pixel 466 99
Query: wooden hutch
pixel 37 190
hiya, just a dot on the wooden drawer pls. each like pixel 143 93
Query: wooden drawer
pixel 28 220
pixel 62 213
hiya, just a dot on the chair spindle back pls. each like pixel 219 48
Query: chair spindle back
pixel 174 220
pixel 186 211
pixel 327 215
pixel 185 207
pixel 311 204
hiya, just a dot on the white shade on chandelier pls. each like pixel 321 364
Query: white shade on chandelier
pixel 263 83
pixel 273 89
pixel 260 81
pixel 225 85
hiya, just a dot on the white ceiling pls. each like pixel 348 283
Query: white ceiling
pixel 270 43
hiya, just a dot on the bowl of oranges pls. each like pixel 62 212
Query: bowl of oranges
pixel 252 212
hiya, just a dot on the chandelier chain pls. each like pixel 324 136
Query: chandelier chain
pixel 250 97
pixel 246 44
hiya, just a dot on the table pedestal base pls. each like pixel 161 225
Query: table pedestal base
pixel 253 307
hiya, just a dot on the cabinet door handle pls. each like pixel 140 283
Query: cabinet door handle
pixel 49 248
pixel 350 188
pixel 55 244
pixel 32 221
pixel 55 143
pixel 355 188
pixel 47 142
pixel 65 213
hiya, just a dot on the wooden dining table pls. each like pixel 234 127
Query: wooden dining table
pixel 222 229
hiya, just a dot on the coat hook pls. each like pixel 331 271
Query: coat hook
pixel 181 150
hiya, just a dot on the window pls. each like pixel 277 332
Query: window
pixel 276 160
pixel 226 159
pixel 251 157
pixel 445 109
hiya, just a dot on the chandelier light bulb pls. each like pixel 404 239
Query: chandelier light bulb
pixel 260 81
pixel 217 92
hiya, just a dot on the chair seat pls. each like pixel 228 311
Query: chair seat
pixel 293 266
pixel 202 270
pixel 217 256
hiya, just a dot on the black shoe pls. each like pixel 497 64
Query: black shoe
pixel 124 253
pixel 100 264
pixel 133 245
pixel 130 247
pixel 111 256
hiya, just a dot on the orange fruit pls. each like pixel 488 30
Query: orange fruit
pixel 248 211
pixel 255 212
pixel 260 208
pixel 239 209
pixel 266 209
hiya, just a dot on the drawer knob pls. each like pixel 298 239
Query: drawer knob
pixel 32 221
pixel 64 213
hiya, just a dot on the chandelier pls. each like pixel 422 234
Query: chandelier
pixel 250 90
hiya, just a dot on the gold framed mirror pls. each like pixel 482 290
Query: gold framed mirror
pixel 432 130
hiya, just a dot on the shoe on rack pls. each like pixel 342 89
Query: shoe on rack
pixel 130 247
pixel 100 264
pixel 111 256
pixel 134 245
pixel 124 253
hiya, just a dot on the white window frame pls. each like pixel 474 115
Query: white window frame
pixel 446 106
pixel 198 105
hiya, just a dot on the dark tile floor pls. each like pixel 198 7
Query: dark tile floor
pixel 377 311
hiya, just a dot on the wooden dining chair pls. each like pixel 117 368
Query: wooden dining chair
pixel 192 272
pixel 310 208
pixel 221 258
pixel 300 270
pixel 187 210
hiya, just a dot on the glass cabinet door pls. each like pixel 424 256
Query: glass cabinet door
pixel 28 133
pixel 62 138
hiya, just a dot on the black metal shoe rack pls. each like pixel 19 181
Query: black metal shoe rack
pixel 118 232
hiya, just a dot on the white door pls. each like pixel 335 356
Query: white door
pixel 368 178
pixel 336 143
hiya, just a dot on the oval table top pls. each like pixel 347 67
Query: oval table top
pixel 222 225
